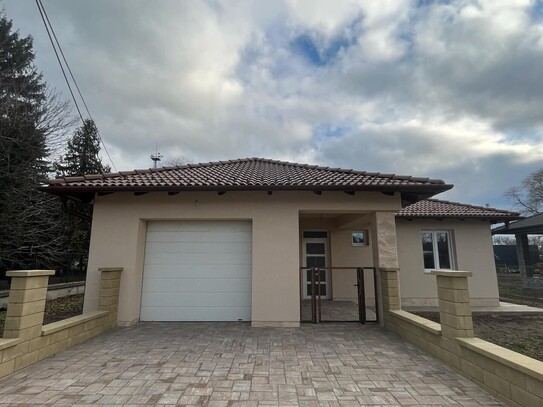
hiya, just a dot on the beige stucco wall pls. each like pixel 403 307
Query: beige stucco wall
pixel 472 247
pixel 119 229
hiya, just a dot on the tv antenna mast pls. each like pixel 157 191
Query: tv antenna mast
pixel 156 157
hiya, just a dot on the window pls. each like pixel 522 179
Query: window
pixel 359 238
pixel 437 250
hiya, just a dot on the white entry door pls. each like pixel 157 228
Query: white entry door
pixel 197 271
pixel 315 254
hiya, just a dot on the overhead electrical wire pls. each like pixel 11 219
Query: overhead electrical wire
pixel 50 30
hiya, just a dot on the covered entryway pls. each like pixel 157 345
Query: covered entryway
pixel 337 277
pixel 197 271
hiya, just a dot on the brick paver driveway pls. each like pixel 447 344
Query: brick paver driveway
pixel 231 364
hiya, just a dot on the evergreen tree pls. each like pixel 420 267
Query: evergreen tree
pixel 81 158
pixel 31 120
pixel 82 155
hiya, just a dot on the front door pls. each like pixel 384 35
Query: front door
pixel 315 254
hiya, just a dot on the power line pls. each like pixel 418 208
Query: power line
pixel 48 25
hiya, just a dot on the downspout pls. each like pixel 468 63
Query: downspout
pixel 64 201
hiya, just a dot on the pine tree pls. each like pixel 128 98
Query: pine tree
pixel 81 158
pixel 82 155
pixel 31 121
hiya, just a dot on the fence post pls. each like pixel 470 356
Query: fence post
pixel 454 305
pixel 26 306
pixel 110 282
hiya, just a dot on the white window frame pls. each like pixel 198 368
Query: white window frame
pixel 435 248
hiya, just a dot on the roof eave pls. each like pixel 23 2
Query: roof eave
pixel 425 190
pixel 503 230
pixel 492 218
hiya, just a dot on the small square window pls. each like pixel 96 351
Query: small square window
pixel 359 238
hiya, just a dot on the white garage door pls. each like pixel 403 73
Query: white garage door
pixel 197 271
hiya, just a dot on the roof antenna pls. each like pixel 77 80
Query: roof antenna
pixel 156 157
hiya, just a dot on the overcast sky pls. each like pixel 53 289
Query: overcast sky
pixel 445 89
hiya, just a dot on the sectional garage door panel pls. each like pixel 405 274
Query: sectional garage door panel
pixel 197 271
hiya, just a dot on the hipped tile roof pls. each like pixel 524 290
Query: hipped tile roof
pixel 246 174
pixel 434 208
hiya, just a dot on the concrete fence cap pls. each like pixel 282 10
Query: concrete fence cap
pixel 29 273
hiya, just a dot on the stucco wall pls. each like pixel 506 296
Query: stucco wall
pixel 472 247
pixel 119 228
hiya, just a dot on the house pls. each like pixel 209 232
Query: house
pixel 241 239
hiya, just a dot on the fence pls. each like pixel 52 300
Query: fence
pixel 517 288
pixel 26 340
pixel 515 378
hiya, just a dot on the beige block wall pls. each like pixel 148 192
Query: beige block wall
pixel 472 251
pixel 29 341
pixel 510 376
pixel 119 228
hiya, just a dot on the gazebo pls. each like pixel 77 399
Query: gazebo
pixel 532 225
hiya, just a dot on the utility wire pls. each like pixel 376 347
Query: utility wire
pixel 48 25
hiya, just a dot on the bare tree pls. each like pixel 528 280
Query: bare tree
pixel 502 240
pixel 175 161
pixel 33 125
pixel 528 196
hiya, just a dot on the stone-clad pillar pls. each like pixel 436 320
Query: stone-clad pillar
pixel 26 306
pixel 110 282
pixel 454 305
pixel 385 258
pixel 390 290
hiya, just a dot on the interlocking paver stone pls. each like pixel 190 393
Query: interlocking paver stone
pixel 232 364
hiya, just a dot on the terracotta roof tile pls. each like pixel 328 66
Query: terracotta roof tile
pixel 434 208
pixel 249 173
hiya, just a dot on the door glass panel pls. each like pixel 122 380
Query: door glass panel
pixel 314 248
pixel 322 289
pixel 315 261
pixel 443 250
pixel 322 273
pixel 428 250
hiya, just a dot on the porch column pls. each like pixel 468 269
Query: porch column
pixel 385 258
pixel 26 306
pixel 523 255
pixel 454 306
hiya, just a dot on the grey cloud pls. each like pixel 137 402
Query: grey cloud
pixel 218 80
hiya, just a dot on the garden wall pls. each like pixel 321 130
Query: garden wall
pixel 508 375
pixel 26 340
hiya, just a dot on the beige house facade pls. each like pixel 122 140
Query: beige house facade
pixel 239 240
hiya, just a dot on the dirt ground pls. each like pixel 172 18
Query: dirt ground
pixel 521 333
pixel 55 310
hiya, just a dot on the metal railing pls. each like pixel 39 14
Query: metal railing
pixel 316 296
